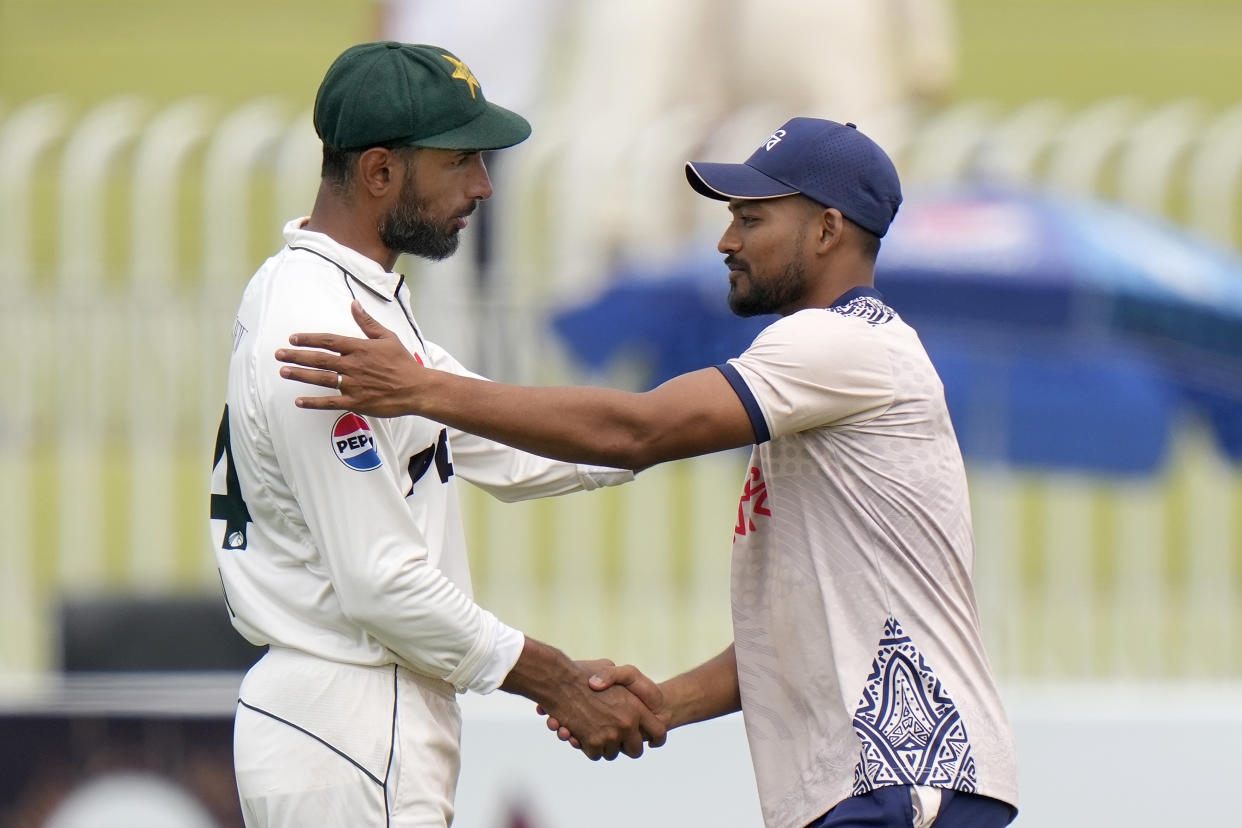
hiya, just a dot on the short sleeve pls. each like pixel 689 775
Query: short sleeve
pixel 810 369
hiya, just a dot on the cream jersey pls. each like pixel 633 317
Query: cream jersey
pixel 859 654
pixel 339 535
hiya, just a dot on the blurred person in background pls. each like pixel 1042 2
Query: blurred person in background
pixel 875 63
pixel 622 92
pixel 339 538
pixel 858 660
pixel 878 63
pixel 710 75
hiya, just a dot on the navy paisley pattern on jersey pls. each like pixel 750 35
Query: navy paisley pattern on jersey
pixel 911 731
pixel 868 308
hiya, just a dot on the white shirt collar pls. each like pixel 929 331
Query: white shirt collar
pixel 362 268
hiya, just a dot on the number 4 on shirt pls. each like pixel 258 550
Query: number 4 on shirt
pixel 227 503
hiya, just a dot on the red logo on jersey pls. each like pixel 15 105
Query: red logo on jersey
pixel 754 492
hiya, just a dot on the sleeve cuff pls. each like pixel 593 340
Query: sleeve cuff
pixel 593 477
pixel 753 411
pixel 486 666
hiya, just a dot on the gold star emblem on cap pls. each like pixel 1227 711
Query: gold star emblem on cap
pixel 461 70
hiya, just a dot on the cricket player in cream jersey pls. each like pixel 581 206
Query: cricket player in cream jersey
pixel 338 536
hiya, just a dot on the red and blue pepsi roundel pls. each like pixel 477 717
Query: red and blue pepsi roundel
pixel 354 443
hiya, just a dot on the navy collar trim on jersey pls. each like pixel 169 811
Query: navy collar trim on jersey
pixel 853 293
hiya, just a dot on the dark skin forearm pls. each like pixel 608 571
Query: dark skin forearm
pixel 693 414
pixel 706 692
pixel 607 723
pixel 579 425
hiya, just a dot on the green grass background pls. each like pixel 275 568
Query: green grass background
pixel 1083 50
pixel 228 50
pixel 1011 50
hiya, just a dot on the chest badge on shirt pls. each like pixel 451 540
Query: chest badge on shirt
pixel 354 443
pixel 755 493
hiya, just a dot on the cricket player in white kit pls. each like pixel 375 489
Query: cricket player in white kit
pixel 338 537
pixel 857 661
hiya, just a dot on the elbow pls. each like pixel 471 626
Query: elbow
pixel 365 606
pixel 643 438
pixel 635 450
pixel 628 438
pixel 639 458
pixel 639 444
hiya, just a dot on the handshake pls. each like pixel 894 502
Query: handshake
pixel 599 708
pixel 623 710
pixel 604 710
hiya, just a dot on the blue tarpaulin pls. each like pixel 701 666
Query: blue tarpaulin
pixel 1068 334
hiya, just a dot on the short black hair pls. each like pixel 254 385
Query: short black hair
pixel 338 166
pixel 870 243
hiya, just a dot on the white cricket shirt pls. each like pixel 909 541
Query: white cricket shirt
pixel 859 654
pixel 339 535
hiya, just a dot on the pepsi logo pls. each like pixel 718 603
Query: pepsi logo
pixel 354 443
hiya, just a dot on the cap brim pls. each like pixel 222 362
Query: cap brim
pixel 728 181
pixel 494 128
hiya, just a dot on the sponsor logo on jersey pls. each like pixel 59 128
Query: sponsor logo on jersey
pixel 354 443
pixel 754 493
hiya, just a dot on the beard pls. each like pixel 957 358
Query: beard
pixel 770 295
pixel 408 227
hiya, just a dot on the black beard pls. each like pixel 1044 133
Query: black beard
pixel 405 230
pixel 771 295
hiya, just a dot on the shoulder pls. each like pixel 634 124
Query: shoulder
pixel 292 293
pixel 825 331
pixel 838 347
pixel 310 278
pixel 297 290
pixel 813 368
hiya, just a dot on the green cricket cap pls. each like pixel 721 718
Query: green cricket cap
pixel 409 95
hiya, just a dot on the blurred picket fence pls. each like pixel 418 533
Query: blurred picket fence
pixel 128 231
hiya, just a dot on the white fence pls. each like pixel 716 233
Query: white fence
pixel 126 234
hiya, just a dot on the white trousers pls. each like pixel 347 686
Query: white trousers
pixel 319 743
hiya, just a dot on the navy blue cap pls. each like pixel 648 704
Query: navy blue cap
pixel 833 164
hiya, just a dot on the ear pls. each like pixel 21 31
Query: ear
pixel 379 171
pixel 829 229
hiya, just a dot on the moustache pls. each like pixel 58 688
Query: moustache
pixel 736 264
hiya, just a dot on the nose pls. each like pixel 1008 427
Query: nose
pixel 730 242
pixel 480 184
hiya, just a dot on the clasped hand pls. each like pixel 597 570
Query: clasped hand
pixel 623 709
